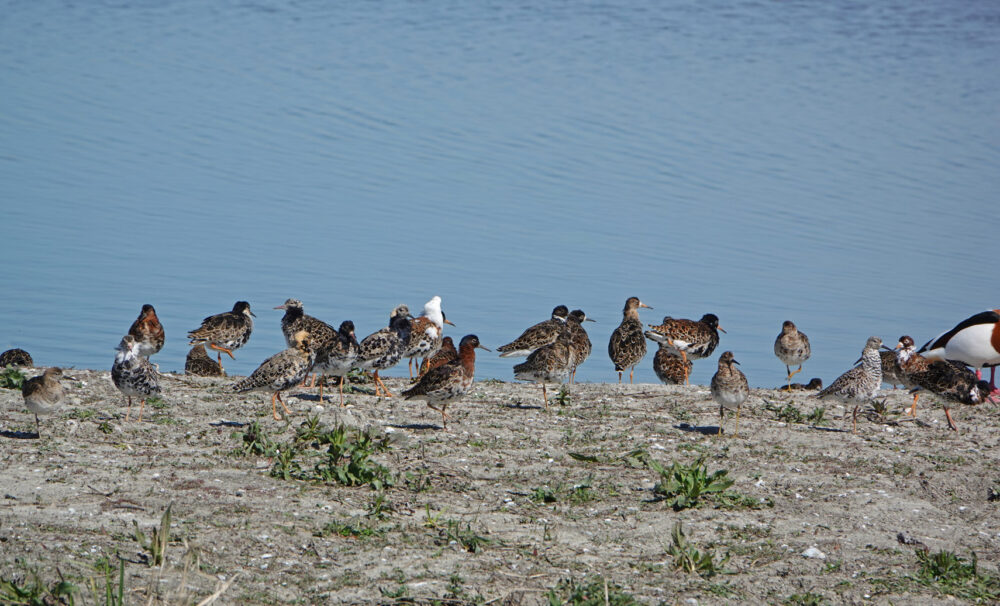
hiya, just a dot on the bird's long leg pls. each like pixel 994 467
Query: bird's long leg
pixel 287 412
pixel 951 422
pixel 993 380
pixel 687 370
pixel 736 433
pixel 545 397
pixel 792 374
pixel 913 409
pixel 854 420
pixel 411 368
pixel 722 416
pixel 312 383
pixel 631 374
pixel 342 381
pixel 321 383
pixel 141 406
pixel 128 410
pixel 378 380
pixel 221 351
pixel 38 432
pixel 619 377
pixel 274 407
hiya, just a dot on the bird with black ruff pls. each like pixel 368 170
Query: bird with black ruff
pixel 225 332
pixel 384 349
pixel 148 331
pixel 134 375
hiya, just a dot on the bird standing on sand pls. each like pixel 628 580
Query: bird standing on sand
pixel 548 364
pixel 626 346
pixel 295 319
pixel 15 357
pixel 426 333
pixel 43 394
pixel 336 357
pixel 792 347
pixel 282 371
pixel 579 340
pixel 134 375
pixel 729 388
pixel 148 331
pixel 383 349
pixel 536 336
pixel 225 332
pixel 859 384
pixel 692 340
pixel 670 367
pixel 440 385
pixel 199 364
pixel 954 383
pixel 974 341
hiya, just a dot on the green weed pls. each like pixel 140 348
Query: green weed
pixel 156 545
pixel 596 592
pixel 254 442
pixel 805 599
pixel 686 485
pixel 956 576
pixel 12 378
pixel 32 591
pixel 688 559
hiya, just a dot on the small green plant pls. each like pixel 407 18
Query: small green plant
pixel 787 413
pixel 432 520
pixel 113 596
pixel 956 576
pixel 466 537
pixel 685 485
pixel 157 402
pixel 544 494
pixel 688 559
pixel 562 398
pixel 379 508
pixel 33 591
pixel 816 416
pixel 11 378
pixel 994 494
pixel 349 530
pixel 595 592
pixel 156 545
pixel 105 427
pixel 337 455
pixel 254 442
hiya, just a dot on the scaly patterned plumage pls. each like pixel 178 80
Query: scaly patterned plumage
pixel 43 394
pixel 148 331
pixel 199 364
pixel 549 364
pixel 813 384
pixel 891 372
pixel 692 340
pixel 729 388
pixel 225 332
pixel 915 372
pixel 295 319
pixel 282 371
pixel 792 348
pixel 384 349
pixel 670 367
pixel 133 374
pixel 627 347
pixel 859 384
pixel 536 336
pixel 578 339
pixel 336 357
pixel 446 354
pixel 16 357
pixel 953 383
pixel 426 332
pixel 442 384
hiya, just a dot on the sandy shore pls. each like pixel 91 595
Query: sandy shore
pixel 503 507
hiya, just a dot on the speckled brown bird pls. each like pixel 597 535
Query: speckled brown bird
pixel 336 358
pixel 859 384
pixel 225 332
pixel 578 339
pixel 670 367
pixel 16 357
pixel 693 340
pixel 813 384
pixel 320 333
pixel 134 375
pixel 148 331
pixel 729 388
pixel 446 354
pixel 43 394
pixel 384 349
pixel 536 336
pixel 282 371
pixel 792 347
pixel 442 384
pixel 626 347
pixel 199 364
pixel 549 364
pixel 953 383
pixel 426 333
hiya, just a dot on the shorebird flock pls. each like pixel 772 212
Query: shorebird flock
pixel 948 366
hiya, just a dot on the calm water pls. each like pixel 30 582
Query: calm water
pixel 831 163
